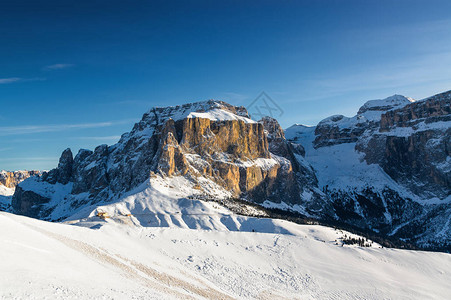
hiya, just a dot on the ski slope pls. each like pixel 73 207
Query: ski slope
pixel 52 260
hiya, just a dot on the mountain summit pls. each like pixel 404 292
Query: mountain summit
pixel 214 146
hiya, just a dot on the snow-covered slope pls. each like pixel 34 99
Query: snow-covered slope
pixel 47 260
pixel 4 191
pixel 339 166
pixel 5 197
pixel 373 109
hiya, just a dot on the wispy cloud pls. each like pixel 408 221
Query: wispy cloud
pixel 9 80
pixel 85 138
pixel 34 140
pixel 16 130
pixel 58 67
pixel 18 79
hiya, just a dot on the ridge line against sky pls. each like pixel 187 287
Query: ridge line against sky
pixel 86 63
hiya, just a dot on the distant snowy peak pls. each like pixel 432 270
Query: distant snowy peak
pixel 371 111
pixel 300 127
pixel 389 103
pixel 340 120
pixel 296 131
pixel 339 129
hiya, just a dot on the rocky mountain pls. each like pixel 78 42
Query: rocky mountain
pixel 386 170
pixel 214 146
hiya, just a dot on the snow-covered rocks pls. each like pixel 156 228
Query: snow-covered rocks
pixel 412 146
pixel 207 143
pixel 339 129
pixel 387 168
pixel 384 105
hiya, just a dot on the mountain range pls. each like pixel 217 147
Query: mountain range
pixel 385 171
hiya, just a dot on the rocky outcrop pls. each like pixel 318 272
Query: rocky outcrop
pixel 380 210
pixel 28 203
pixel 413 144
pixel 211 141
pixel 276 138
pixel 339 129
pixel 431 110
pixel 225 151
pixel 12 179
pixel 313 200
pixel 383 105
pixel 388 168
pixel 62 174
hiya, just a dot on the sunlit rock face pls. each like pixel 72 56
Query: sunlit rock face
pixel 210 140
pixel 12 179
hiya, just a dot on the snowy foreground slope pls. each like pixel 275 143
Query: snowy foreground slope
pixel 39 259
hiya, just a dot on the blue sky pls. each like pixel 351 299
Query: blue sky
pixel 79 73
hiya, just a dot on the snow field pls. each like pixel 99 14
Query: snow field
pixel 40 259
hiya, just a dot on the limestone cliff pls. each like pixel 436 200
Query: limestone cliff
pixel 12 179
pixel 387 169
pixel 204 142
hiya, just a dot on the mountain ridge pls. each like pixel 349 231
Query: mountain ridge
pixel 388 176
